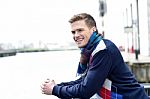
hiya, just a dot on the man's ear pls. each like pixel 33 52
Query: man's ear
pixel 94 29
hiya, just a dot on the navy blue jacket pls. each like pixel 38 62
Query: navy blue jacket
pixel 106 63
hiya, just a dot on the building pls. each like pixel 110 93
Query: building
pixel 137 14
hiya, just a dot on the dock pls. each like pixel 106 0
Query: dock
pixel 5 53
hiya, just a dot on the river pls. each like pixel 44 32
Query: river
pixel 22 75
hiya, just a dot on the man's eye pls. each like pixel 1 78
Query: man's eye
pixel 73 32
pixel 79 30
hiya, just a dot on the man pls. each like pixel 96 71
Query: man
pixel 100 61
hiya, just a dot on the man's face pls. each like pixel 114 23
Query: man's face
pixel 81 33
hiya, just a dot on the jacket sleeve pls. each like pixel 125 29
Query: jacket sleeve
pixel 96 75
pixel 71 82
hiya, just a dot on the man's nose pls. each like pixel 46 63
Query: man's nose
pixel 76 34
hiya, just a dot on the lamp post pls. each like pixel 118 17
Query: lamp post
pixel 137 50
pixel 132 47
pixel 102 10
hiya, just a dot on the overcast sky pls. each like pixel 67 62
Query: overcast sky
pixel 47 20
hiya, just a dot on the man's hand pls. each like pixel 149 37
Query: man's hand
pixel 47 87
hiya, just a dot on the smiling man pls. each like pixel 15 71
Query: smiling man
pixel 100 63
pixel 81 32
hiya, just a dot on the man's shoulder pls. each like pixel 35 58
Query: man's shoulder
pixel 108 41
pixel 110 44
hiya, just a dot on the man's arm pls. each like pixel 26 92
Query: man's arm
pixel 48 85
pixel 71 82
pixel 96 75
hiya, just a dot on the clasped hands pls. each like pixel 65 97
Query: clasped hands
pixel 47 86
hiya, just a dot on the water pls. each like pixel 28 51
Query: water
pixel 22 75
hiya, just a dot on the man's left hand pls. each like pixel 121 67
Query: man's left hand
pixel 47 87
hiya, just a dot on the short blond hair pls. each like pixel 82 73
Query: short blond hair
pixel 89 20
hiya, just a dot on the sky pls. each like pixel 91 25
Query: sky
pixel 47 20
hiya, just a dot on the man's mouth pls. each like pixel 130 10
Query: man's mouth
pixel 78 41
